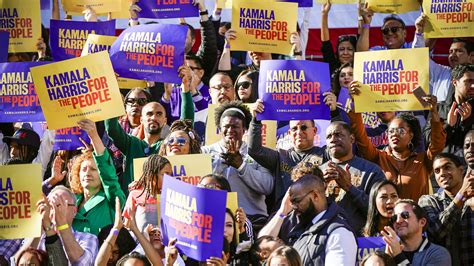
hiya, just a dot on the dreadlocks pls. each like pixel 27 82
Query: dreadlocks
pixel 149 180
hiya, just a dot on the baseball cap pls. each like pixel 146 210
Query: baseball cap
pixel 24 136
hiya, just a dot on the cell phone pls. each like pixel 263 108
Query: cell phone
pixel 419 94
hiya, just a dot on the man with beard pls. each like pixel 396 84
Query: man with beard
pixel 352 174
pixel 230 159
pixel 450 216
pixel 405 241
pixel 314 227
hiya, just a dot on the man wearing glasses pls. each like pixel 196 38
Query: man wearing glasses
pixel 393 33
pixel 314 226
pixel 221 88
pixel 405 241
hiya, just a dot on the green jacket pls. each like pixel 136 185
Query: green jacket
pixel 133 147
pixel 99 210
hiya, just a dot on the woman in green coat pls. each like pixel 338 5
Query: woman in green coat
pixel 96 185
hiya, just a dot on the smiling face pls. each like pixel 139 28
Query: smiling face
pixel 394 40
pixel 177 143
pixel 345 52
pixel 447 174
pixel 399 135
pixel 89 175
pixel 407 228
pixel 232 128
pixel 302 134
pixel 155 238
pixel 385 200
pixel 346 76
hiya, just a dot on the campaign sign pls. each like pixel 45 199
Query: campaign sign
pixel 449 19
pixel 20 190
pixel 388 79
pixel 67 37
pixel 19 101
pixel 78 88
pixel 293 89
pixel 301 3
pixel 370 119
pixel 97 43
pixel 22 19
pixel 263 26
pixel 368 245
pixel 45 4
pixel 4 36
pixel 393 6
pixel 194 216
pixel 99 6
pixel 167 9
pixel 69 139
pixel 152 52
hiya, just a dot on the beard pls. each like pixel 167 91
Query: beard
pixel 153 131
pixel 308 215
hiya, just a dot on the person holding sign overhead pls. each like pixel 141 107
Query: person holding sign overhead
pixel 153 119
pixel 96 185
pixel 230 159
pixel 404 166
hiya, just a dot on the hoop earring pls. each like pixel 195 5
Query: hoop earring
pixel 411 146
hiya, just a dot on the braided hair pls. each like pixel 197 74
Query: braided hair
pixel 186 126
pixel 149 181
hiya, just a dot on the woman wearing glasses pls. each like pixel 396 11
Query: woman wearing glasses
pixel 246 86
pixel 409 169
pixel 346 44
pixel 382 198
pixel 182 139
pixel 134 102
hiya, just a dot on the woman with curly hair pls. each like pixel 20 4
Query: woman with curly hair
pixel 94 181
pixel 182 139
pixel 408 169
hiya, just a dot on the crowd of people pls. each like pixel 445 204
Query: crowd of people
pixel 302 205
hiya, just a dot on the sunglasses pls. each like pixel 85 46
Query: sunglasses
pixel 226 87
pixel 397 130
pixel 180 141
pixel 244 84
pixel 405 215
pixel 139 101
pixel 302 128
pixel 386 30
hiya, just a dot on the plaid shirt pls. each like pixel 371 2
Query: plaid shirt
pixel 8 247
pixel 450 226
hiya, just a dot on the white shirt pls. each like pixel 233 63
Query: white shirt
pixel 341 246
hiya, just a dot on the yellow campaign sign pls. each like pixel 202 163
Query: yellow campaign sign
pixel 449 19
pixel 20 190
pixel 78 88
pixel 22 19
pixel 188 168
pixel 393 6
pixel 124 10
pixel 224 4
pixel 96 43
pixel 337 1
pixel 389 78
pixel 99 6
pixel 263 26
pixel 269 130
pixel 212 132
